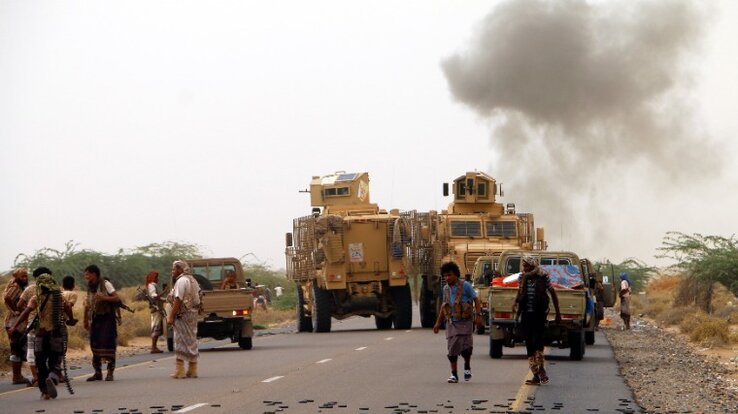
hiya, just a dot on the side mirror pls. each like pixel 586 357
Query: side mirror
pixel 288 239
pixel 445 189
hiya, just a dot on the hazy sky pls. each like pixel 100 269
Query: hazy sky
pixel 127 123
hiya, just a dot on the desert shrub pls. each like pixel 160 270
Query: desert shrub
pixel 713 331
pixel 705 329
pixel 673 315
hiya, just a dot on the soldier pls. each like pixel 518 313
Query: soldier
pixel 183 318
pixel 11 297
pixel 156 309
pixel 532 301
pixel 458 297
pixel 49 323
pixel 100 321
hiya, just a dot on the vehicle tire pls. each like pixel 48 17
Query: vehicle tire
pixel 589 337
pixel 322 299
pixel 481 330
pixel 304 322
pixel 170 344
pixel 403 317
pixel 495 348
pixel 576 345
pixel 427 306
pixel 383 323
pixel 245 343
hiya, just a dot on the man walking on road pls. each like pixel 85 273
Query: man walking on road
pixel 100 321
pixel 457 309
pixel 11 297
pixel 532 301
pixel 183 318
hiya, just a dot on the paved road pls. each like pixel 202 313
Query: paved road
pixel 354 369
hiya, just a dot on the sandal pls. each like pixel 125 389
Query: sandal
pixel 24 381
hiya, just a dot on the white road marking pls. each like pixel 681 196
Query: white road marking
pixel 389 338
pixel 360 349
pixel 323 361
pixel 408 330
pixel 273 378
pixel 191 408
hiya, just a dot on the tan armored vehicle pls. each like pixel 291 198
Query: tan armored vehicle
pixel 226 313
pixel 475 225
pixel 349 257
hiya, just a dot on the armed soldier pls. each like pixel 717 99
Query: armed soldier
pixel 153 295
pixel 100 320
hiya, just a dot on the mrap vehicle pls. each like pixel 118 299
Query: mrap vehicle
pixel 349 257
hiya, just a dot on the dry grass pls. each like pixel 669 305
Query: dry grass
pixel 272 317
pixel 707 330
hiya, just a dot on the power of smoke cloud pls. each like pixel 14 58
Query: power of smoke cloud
pixel 575 89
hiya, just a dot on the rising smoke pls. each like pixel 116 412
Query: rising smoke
pixel 578 93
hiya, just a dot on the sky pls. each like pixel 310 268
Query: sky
pixel 129 123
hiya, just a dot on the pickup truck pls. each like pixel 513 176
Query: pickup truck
pixel 226 313
pixel 575 302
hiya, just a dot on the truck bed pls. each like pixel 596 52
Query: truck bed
pixel 224 302
pixel 572 303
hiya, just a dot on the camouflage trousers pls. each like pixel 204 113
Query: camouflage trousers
pixel 536 363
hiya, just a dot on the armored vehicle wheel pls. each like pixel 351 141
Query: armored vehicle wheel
pixel 383 323
pixel 589 337
pixel 403 317
pixel 304 322
pixel 576 345
pixel 245 343
pixel 170 344
pixel 427 308
pixel 321 309
pixel 495 348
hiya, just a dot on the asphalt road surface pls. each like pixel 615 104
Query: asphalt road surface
pixel 353 369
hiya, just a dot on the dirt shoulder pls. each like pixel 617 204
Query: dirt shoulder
pixel 669 374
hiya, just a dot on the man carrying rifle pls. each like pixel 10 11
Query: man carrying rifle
pixel 101 305
pixel 157 310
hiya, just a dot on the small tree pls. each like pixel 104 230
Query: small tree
pixel 703 260
pixel 638 271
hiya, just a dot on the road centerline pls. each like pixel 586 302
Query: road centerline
pixel 272 379
pixel 191 408
pixel 323 361
pixel 360 348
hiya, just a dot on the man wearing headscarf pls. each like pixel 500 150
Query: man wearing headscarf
pixel 625 299
pixel 156 309
pixel 532 302
pixel 11 297
pixel 183 318
pixel 100 320
pixel 49 343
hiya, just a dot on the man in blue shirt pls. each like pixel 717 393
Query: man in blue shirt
pixel 460 305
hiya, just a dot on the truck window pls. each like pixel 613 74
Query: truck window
pixel 336 192
pixel 461 228
pixel 552 261
pixel 512 265
pixel 213 272
pixel 501 228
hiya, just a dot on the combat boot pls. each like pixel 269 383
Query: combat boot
pixel 179 371
pixel 192 370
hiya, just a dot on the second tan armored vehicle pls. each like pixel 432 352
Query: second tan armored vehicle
pixel 473 226
pixel 349 257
